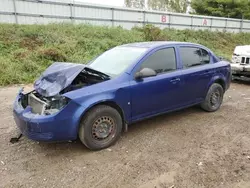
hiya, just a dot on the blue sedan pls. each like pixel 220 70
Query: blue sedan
pixel 125 84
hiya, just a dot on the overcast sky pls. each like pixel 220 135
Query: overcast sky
pixel 105 2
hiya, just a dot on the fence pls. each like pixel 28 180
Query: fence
pixel 47 11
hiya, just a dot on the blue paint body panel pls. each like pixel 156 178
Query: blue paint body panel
pixel 137 99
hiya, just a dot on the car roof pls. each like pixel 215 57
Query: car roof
pixel 155 44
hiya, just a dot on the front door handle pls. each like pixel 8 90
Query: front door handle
pixel 174 80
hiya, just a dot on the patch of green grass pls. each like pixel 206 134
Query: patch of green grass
pixel 27 50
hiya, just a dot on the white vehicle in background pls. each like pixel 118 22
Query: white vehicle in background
pixel 240 64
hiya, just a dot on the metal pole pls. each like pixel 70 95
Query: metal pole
pixel 169 22
pixel 144 18
pixel 15 13
pixel 192 22
pixel 112 19
pixel 71 12
pixel 211 25
pixel 226 25
pixel 241 23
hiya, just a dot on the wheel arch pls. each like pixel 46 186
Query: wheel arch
pixel 110 103
pixel 221 82
pixel 219 79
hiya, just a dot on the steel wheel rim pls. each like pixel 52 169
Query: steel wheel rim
pixel 215 98
pixel 103 129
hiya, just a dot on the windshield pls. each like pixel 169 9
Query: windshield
pixel 113 62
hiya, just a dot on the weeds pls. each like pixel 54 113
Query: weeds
pixel 26 50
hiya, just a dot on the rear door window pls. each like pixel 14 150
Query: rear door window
pixel 192 56
pixel 205 56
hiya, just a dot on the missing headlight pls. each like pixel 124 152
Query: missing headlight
pixel 56 104
pixel 44 105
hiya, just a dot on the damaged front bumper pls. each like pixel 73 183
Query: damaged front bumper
pixel 56 127
pixel 240 71
pixel 238 68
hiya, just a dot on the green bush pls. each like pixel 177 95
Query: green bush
pixel 27 50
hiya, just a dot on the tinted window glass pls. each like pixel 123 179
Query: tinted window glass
pixel 161 61
pixel 190 56
pixel 205 56
pixel 193 56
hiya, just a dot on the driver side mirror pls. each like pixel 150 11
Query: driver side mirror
pixel 144 73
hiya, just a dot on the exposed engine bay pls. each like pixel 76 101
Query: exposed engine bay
pixel 85 78
pixel 43 105
pixel 47 105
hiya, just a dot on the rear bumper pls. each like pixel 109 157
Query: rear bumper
pixel 61 126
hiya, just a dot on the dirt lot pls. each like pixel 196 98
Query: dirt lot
pixel 189 148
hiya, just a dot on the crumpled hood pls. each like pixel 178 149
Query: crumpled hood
pixel 57 77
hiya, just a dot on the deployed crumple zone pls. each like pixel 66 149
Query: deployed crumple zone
pixel 69 76
pixel 56 80
pixel 43 105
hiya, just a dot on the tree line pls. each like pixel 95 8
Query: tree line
pixel 221 8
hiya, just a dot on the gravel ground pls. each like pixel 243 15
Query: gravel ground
pixel 189 148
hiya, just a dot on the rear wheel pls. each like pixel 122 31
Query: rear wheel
pixel 100 127
pixel 214 98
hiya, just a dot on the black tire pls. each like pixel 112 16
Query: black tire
pixel 214 98
pixel 100 127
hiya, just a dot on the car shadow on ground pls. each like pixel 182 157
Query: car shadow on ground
pixel 162 120
pixel 241 82
pixel 59 148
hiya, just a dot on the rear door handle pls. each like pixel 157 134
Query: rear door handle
pixel 174 80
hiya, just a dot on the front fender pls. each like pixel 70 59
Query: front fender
pixel 119 97
pixel 90 101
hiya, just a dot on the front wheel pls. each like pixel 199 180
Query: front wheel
pixel 214 98
pixel 100 127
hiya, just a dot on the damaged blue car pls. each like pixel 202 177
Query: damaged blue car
pixel 125 84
